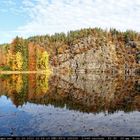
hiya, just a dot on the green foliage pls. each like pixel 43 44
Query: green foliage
pixel 4 76
pixel 20 45
pixel 129 35
pixel 5 68
pixel 114 31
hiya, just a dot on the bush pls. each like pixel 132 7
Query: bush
pixel 5 68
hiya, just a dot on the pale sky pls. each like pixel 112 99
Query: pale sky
pixel 27 18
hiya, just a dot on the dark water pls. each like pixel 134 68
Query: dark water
pixel 42 105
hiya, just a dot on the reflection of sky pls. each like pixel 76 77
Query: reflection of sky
pixel 34 119
pixel 4 101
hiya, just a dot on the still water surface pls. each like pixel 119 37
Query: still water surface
pixel 39 105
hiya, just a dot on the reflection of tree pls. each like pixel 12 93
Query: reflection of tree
pixel 15 83
pixel 15 87
pixel 99 95
pixel 42 83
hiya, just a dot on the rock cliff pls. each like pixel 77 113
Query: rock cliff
pixel 87 55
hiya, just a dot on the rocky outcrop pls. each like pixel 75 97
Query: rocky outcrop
pixel 88 55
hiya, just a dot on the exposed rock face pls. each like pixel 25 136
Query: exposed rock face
pixel 88 55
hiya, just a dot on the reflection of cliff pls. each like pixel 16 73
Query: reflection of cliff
pixel 38 86
pixel 87 93
pixel 96 95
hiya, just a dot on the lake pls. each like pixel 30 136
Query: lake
pixel 69 105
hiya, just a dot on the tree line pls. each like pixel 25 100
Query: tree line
pixel 16 55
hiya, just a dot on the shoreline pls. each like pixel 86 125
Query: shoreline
pixel 24 72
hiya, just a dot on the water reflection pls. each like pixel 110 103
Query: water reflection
pixel 84 93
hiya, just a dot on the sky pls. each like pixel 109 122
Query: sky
pixel 27 18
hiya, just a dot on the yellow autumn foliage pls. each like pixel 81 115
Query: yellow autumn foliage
pixel 15 83
pixel 19 60
pixel 15 61
pixel 42 83
pixel 42 60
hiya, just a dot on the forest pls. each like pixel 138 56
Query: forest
pixel 43 52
